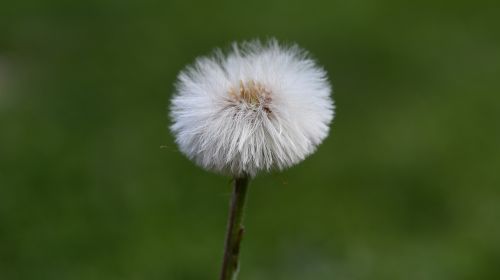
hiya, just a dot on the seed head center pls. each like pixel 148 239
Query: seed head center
pixel 250 92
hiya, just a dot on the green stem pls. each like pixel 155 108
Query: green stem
pixel 235 229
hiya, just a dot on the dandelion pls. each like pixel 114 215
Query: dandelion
pixel 261 107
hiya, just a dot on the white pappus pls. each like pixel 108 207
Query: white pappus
pixel 261 106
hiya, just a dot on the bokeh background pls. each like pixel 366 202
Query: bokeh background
pixel 92 186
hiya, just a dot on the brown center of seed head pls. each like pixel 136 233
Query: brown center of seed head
pixel 252 93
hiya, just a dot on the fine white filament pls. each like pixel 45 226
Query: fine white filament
pixel 262 106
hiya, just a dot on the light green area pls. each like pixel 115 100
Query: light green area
pixel 407 186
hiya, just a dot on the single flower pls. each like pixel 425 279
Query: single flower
pixel 262 106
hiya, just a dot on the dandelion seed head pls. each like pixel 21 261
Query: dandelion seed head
pixel 260 107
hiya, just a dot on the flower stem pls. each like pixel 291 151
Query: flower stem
pixel 235 229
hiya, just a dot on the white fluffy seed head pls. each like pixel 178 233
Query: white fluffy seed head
pixel 260 107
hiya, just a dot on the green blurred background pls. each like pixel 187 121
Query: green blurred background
pixel 92 186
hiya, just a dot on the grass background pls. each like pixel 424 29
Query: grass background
pixel 407 185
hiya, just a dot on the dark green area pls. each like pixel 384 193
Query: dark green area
pixel 406 187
